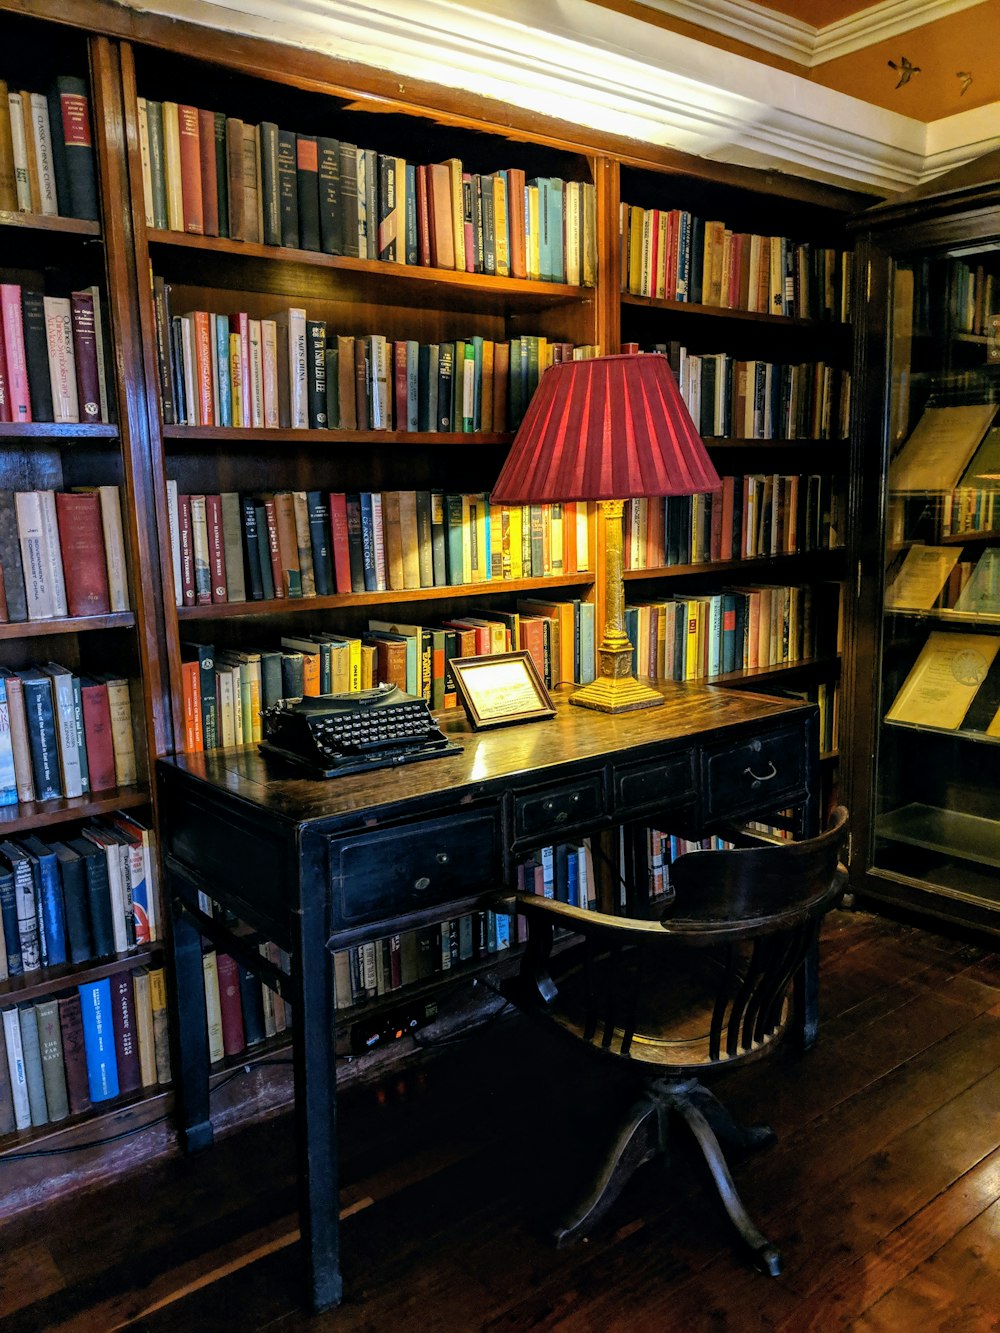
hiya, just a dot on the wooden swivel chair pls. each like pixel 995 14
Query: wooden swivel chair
pixel 704 984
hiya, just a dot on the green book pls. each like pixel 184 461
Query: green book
pixel 51 1052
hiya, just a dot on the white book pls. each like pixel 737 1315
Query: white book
pixel 190 363
pixel 297 369
pixel 4 970
pixel 50 522
pixel 174 528
pixel 66 732
pixel 62 359
pixel 147 173
pixel 236 675
pixel 31 531
pixel 22 181
pixel 256 374
pixel 227 715
pixel 213 1007
pixel 381 413
pixel 378 537
pixel 114 546
pixel 582 536
pixel 269 374
pixel 200 551
pixel 15 1065
pixel 43 154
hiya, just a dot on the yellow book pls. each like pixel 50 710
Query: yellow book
pixel 513 537
pixel 340 666
pixel 693 639
pixel 122 740
pixel 502 241
pixel 367 658
pixel 213 1007
pixel 454 166
pixel 533 256
pixel 144 1027
pixel 637 218
pixel 172 166
pixel 161 1033
pixel 236 377
pixel 944 679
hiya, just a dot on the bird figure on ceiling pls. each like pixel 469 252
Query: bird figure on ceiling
pixel 905 69
pixel 966 78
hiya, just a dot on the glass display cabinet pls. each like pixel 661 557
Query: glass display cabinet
pixel 925 751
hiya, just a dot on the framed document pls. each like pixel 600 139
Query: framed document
pixel 499 690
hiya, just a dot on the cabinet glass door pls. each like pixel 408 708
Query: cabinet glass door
pixel 937 773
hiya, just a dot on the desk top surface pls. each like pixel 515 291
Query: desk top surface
pixel 575 735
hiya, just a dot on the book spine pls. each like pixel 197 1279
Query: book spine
pixel 98 1039
pixel 85 357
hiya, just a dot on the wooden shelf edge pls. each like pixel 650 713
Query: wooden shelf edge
pixel 31 985
pixel 44 222
pixel 514 287
pixel 29 431
pixel 391 597
pixel 37 814
pixel 33 629
pixel 751 676
pixel 729 312
pixel 731 566
pixel 256 435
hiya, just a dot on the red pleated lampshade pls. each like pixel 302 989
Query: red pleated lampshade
pixel 611 428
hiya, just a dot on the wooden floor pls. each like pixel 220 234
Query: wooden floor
pixel 883 1191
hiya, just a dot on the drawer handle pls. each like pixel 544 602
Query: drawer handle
pixel 766 777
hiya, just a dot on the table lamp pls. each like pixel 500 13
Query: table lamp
pixel 609 429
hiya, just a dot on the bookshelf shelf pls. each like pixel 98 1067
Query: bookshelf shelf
pixel 780 565
pixel 774 675
pixel 34 629
pixel 42 222
pixel 392 596
pixel 43 432
pixel 689 308
pixel 28 815
pixel 248 435
pixel 32 985
pixel 775 445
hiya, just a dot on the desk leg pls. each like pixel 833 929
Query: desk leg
pixel 315 1106
pixel 191 1045
pixel 807 999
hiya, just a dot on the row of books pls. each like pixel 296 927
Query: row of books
pixel 46 151
pixel 61 1055
pixel 290 371
pixel 764 400
pixel 973 297
pixel 740 629
pixel 72 901
pixel 672 255
pixel 302 544
pixel 62 553
pixel 224 693
pixel 378 967
pixel 564 871
pixel 63 734
pixel 53 364
pixel 209 174
pixel 751 517
pixel 934 577
pixel 970 509
pixel 239 1009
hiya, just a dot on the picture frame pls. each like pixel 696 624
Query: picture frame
pixel 500 690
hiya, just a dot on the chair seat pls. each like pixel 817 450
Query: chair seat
pixel 672 1005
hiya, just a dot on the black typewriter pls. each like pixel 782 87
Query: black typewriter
pixel 349 733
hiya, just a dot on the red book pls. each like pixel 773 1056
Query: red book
pixel 14 353
pixel 240 323
pixel 274 548
pixel 191 691
pixel 97 734
pixel 515 211
pixel 338 536
pixel 209 180
pixel 85 566
pixel 190 140
pixel 216 548
pixel 531 630
pixel 203 352
pixel 726 538
pixel 441 227
pixel 126 1034
pixel 88 385
pixel 423 219
pixel 4 394
pixel 74 1055
pixel 390 657
pixel 233 1041
pixel 399 383
pixel 186 536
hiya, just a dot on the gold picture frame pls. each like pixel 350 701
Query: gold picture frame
pixel 498 690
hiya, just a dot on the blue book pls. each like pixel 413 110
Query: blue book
pixel 729 633
pixel 73 873
pixel 40 711
pixel 26 926
pixel 558 262
pixel 222 359
pixel 368 561
pixel 502 930
pixel 8 917
pixel 99 1039
pixel 320 541
pixel 8 782
pixel 573 878
pixel 696 266
pixel 477 383
pixel 453 538
pixel 48 898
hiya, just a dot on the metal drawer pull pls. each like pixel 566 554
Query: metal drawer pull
pixel 766 777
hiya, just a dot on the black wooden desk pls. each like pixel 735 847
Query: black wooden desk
pixel 317 866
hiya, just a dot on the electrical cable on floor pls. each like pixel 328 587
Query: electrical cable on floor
pixel 133 1129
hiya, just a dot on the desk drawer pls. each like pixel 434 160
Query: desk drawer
pixel 558 810
pixel 390 871
pixel 662 784
pixel 755 774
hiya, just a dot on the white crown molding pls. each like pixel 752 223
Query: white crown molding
pixel 791 39
pixel 588 65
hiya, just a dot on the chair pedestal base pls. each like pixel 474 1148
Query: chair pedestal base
pixel 644 1134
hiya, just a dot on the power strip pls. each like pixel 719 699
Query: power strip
pixel 391 1026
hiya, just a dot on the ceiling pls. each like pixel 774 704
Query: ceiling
pixel 856 48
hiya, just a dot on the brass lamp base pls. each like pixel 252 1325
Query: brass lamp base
pixel 616 690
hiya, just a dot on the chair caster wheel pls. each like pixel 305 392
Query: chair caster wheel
pixel 768 1261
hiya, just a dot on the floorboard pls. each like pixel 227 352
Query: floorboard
pixel 883 1191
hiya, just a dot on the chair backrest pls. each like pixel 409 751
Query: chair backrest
pixel 744 918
